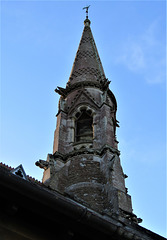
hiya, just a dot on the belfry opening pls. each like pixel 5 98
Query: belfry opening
pixel 84 127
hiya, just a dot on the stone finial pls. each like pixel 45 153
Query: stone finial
pixel 87 22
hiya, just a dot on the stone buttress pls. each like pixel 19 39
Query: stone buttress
pixel 85 163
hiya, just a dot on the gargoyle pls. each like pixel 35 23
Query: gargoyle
pixel 105 83
pixel 42 164
pixel 61 91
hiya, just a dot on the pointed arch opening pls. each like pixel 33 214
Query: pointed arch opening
pixel 84 126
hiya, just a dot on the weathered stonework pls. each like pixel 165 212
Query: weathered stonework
pixel 85 163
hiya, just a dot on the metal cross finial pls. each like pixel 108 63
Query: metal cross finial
pixel 86 11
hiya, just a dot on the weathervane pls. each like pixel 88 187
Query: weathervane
pixel 86 11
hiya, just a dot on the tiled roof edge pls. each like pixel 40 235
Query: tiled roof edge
pixel 32 179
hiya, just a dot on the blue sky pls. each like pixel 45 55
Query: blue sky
pixel 39 40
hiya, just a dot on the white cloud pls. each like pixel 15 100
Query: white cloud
pixel 133 57
pixel 145 55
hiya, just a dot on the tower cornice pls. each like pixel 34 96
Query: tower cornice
pixel 99 152
pixel 102 85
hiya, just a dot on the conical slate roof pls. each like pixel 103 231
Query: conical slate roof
pixel 87 65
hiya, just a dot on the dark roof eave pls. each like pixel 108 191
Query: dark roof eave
pixel 54 200
pixel 64 205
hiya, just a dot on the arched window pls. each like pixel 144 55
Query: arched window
pixel 83 127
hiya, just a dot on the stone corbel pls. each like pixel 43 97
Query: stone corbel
pixel 131 216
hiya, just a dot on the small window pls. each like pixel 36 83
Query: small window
pixel 84 128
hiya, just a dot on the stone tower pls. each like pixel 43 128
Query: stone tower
pixel 85 163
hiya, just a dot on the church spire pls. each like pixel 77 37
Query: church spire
pixel 85 163
pixel 87 65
